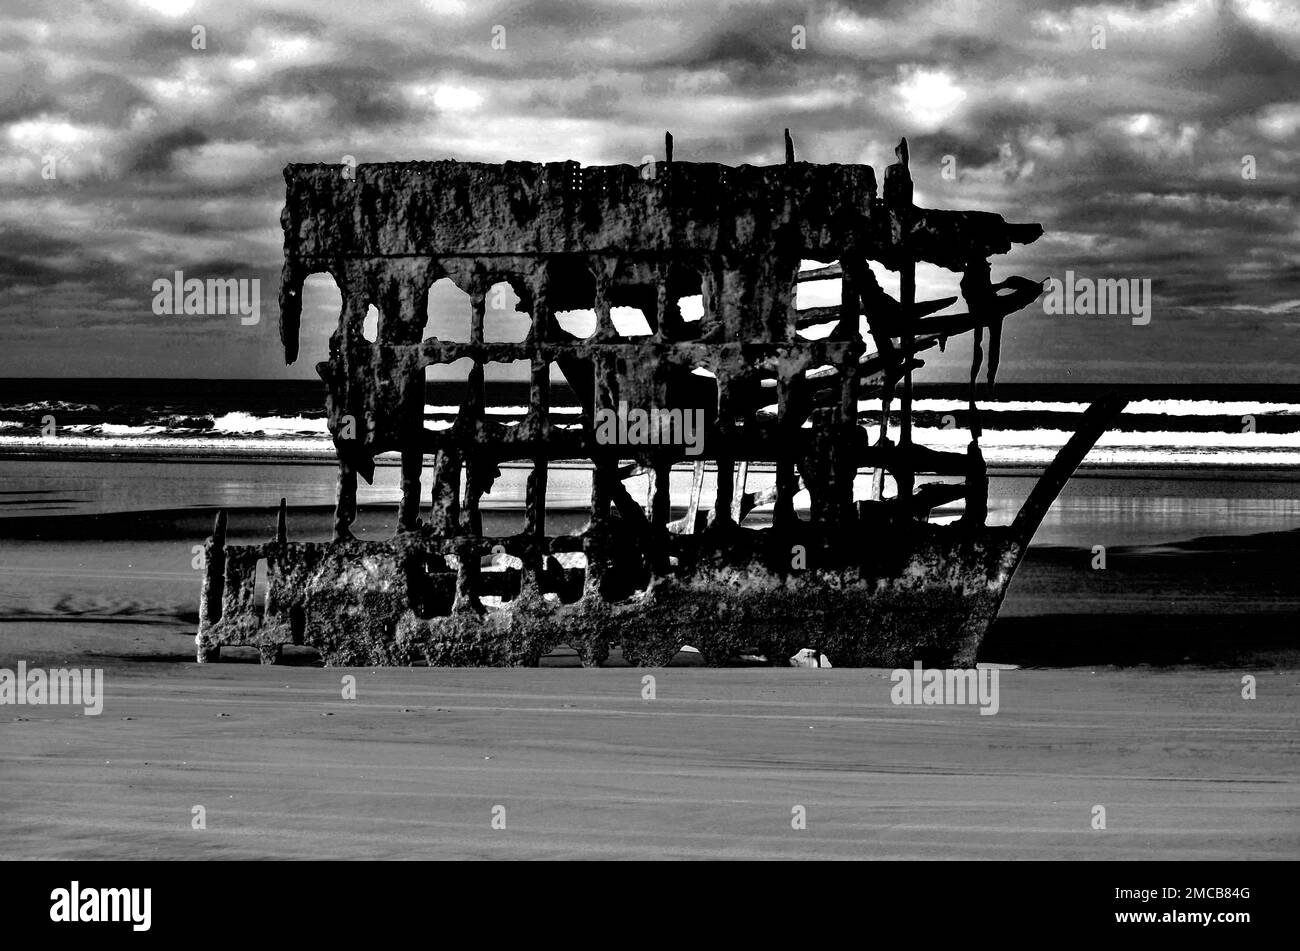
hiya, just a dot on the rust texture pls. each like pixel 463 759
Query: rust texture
pixel 864 580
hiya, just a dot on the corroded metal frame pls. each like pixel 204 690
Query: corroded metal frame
pixel 883 582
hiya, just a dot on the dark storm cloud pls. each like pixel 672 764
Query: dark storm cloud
pixel 26 256
pixel 157 154
pixel 358 96
pixel 25 97
pixel 1131 156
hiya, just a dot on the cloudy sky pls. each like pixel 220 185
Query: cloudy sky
pixel 1137 157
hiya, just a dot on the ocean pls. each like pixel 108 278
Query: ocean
pixel 1193 498
pixel 1227 426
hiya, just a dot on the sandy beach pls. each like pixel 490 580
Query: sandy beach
pixel 1140 710
pixel 713 767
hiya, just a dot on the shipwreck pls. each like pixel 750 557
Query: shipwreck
pixel 866 581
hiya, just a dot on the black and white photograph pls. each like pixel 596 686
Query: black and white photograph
pixel 601 430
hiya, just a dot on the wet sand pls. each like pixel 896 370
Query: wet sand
pixel 1220 600
pixel 586 768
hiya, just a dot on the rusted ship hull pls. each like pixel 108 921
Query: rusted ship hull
pixel 898 594
pixel 377 603
pixel 865 581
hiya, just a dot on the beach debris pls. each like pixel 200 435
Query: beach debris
pixel 810 395
pixel 809 658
